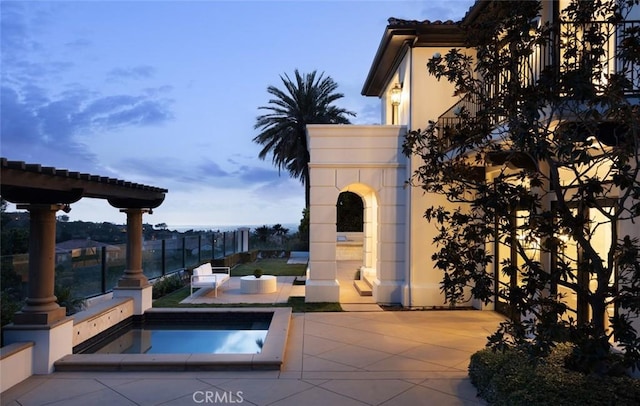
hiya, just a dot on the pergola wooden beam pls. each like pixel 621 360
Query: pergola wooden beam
pixel 44 190
pixel 33 183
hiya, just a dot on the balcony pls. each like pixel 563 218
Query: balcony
pixel 567 50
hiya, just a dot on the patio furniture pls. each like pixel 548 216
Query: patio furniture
pixel 263 284
pixel 206 276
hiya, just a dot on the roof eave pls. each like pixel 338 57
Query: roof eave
pixel 394 43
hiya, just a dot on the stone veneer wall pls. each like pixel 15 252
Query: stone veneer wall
pixel 97 319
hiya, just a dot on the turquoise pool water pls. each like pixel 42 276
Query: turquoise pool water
pixel 183 333
pixel 157 340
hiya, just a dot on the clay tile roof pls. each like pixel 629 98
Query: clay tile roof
pixel 22 182
pixel 398 22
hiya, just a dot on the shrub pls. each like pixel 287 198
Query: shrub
pixel 9 307
pixel 166 285
pixel 510 378
pixel 257 273
pixel 66 298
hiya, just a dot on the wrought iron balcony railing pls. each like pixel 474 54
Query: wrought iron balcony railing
pixel 569 49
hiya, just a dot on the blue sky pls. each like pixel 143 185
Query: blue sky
pixel 166 93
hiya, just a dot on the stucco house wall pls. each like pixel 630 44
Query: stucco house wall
pixel 368 161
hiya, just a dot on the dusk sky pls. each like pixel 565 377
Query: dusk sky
pixel 166 93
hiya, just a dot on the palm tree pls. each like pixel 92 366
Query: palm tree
pixel 307 100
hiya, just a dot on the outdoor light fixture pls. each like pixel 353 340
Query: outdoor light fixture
pixel 396 95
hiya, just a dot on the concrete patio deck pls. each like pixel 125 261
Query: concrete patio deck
pixel 231 293
pixel 363 356
pixel 349 358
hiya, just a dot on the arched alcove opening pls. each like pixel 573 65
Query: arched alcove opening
pixel 356 241
pixel 349 213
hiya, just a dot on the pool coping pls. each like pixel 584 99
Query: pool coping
pixel 270 358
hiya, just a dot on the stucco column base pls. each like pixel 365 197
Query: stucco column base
pixel 133 279
pixel 39 316
pixel 387 292
pixel 425 295
pixel 322 291
pixel 52 341
pixel 142 297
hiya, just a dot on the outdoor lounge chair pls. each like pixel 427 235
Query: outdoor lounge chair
pixel 206 276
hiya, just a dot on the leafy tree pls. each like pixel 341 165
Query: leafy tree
pixel 303 230
pixel 262 233
pixel 279 233
pixel 278 230
pixel 308 99
pixel 14 235
pixel 540 159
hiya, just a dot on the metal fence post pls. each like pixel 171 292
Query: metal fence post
pixel 184 252
pixel 224 244
pixel 103 269
pixel 163 260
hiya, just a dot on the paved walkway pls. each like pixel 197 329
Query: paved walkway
pixel 349 358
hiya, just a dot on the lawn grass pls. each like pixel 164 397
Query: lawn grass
pixel 270 266
pixel 296 303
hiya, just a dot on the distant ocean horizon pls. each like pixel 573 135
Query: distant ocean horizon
pixel 293 228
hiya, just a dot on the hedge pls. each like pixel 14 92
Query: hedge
pixel 510 378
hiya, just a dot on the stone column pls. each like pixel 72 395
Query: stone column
pixel 243 241
pixel 42 320
pixel 40 306
pixel 134 283
pixel 133 276
pixel 322 272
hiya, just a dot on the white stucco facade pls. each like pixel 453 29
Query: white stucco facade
pixel 368 160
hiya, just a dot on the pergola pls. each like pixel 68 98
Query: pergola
pixel 45 190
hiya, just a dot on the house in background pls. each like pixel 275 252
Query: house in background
pixel 86 249
pixel 368 161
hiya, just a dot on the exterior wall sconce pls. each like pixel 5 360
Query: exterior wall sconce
pixel 396 97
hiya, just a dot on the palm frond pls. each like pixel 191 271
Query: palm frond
pixel 305 99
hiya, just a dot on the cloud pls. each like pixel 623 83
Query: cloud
pixel 112 112
pixel 30 117
pixel 208 168
pixel 47 116
pixel 78 44
pixel 13 28
pixel 280 189
pixel 17 22
pixel 255 175
pixel 23 138
pixel 443 10
pixel 17 118
pixel 368 113
pixel 23 72
pixel 180 174
pixel 135 73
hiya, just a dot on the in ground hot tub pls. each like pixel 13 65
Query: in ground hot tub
pixel 103 353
